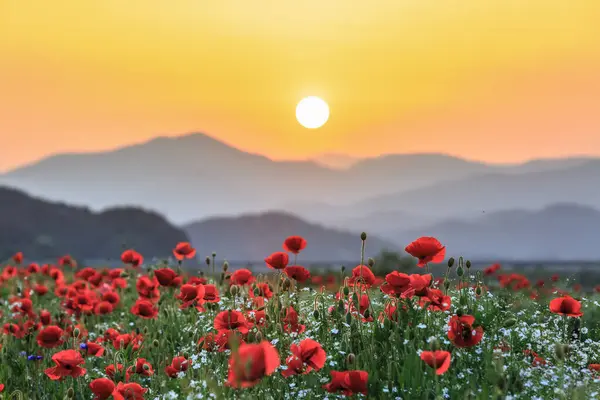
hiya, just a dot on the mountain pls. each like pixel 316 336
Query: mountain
pixel 195 176
pixel 562 231
pixel 45 231
pixel 335 160
pixel 252 237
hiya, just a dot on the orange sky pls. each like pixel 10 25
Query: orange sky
pixel 497 80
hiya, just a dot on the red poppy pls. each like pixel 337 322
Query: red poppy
pixel 50 337
pixel 191 295
pixel 251 363
pixel 242 277
pixel 112 297
pixel 438 360
pixel 435 300
pixel 426 249
pixel 348 382
pixel 492 269
pixel 294 244
pixel 278 260
pixel 184 250
pixel 102 388
pixel 231 320
pixel 291 321
pixel 178 364
pixel 567 306
pixel 103 308
pixel 306 356
pixel 462 333
pixel 148 287
pixel 362 275
pixel 165 276
pixel 129 391
pixel 132 257
pixel 67 364
pixel 45 317
pixel 145 309
pixel 18 258
pixel 397 284
pixel 94 349
pixel 261 289
pixel 141 367
pixel 211 294
pixel 297 272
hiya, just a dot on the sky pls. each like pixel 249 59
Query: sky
pixel 493 80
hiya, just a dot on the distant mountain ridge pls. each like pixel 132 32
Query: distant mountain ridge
pixel 44 230
pixel 252 237
pixel 195 176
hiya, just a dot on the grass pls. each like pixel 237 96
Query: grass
pixel 526 351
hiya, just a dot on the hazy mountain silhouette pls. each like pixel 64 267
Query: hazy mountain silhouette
pixel 335 160
pixel 45 231
pixel 563 231
pixel 195 176
pixel 252 237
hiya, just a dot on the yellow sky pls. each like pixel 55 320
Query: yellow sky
pixel 497 80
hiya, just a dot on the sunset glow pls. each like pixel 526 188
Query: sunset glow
pixel 498 80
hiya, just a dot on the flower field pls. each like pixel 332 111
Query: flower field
pixel 156 331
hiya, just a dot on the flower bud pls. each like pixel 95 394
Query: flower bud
pixel 446 284
pixel 510 323
pixel 355 298
pixel 146 367
pixel 76 332
pixel 343 268
pixel 367 314
pixel 459 313
pixel 348 318
pixel 214 254
pixel 259 336
pixel 370 262
pixel 155 343
pixel 450 262
pixel 468 264
pixel 478 291
pixel 316 314
pixel 434 345
pixel 70 393
pixel 460 271
pixel 350 359
pixel 225 266
pixel 346 290
pixel 234 290
pixel 561 351
pixel 287 283
pixel 207 260
pixel 363 236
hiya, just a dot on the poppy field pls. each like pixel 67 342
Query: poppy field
pixel 146 331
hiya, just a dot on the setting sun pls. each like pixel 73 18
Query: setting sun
pixel 312 112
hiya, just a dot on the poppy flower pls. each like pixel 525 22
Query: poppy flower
pixel 111 370
pixel 129 391
pixel 297 272
pixel 426 249
pixel 184 250
pixel 435 300
pixel 462 333
pixel 397 284
pixel 294 244
pixel 348 382
pixel 231 320
pixel 132 257
pixel 261 289
pixel 242 277
pixel 567 306
pixel 438 360
pixel 291 321
pixel 145 309
pixel 103 308
pixel 141 367
pixel 178 364
pixel 93 349
pixel 165 276
pixel 211 294
pixel 45 317
pixel 18 258
pixel 363 275
pixel 306 356
pixel 277 260
pixel 102 388
pixel 492 269
pixel 191 295
pixel 67 364
pixel 250 363
pixel 50 337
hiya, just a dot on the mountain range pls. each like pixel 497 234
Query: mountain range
pixel 195 177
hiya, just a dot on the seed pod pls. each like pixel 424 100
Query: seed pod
pixel 214 254
pixel 363 236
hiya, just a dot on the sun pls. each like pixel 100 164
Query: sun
pixel 312 112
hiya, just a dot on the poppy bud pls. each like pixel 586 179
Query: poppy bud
pixel 146 367
pixel 234 290
pixel 186 355
pixel 256 291
pixel 145 330
pixel 207 260
pixel 316 314
pixel 259 336
pixel 155 343
pixel 460 271
pixel 343 268
pixel 561 351
pixel 341 306
pixel 363 236
pixel 287 283
pixel 446 284
pixel 348 318
pixel 350 359
pixel 510 322
pixel 478 291
pixel 434 344
pixel 225 266
pixel 468 264
pixel 346 290
pixel 76 332
pixel 70 393
pixel 367 314
pixel 124 274
pixel 459 313
pixel 355 298
pixel 450 262
pixel 201 273
pixel 370 262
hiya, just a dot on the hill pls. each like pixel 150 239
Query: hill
pixel 562 231
pixel 44 230
pixel 253 237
